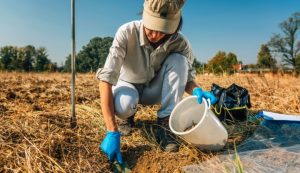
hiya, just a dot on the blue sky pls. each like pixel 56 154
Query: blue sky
pixel 238 26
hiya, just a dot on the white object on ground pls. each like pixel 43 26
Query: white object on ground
pixel 208 132
pixel 280 117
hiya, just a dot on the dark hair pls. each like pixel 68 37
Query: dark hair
pixel 178 29
pixel 179 25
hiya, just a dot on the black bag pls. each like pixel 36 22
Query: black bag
pixel 232 103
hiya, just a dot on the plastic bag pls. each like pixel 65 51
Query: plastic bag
pixel 232 102
pixel 273 147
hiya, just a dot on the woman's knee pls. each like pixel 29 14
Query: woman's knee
pixel 125 101
pixel 177 60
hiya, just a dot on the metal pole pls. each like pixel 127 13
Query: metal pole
pixel 73 56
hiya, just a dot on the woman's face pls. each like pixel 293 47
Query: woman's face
pixel 154 36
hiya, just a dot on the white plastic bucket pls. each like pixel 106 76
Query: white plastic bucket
pixel 208 132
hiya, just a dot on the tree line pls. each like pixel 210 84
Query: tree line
pixel 284 46
pixel 92 56
pixel 25 59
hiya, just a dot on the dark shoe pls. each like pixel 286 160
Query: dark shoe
pixel 165 137
pixel 125 126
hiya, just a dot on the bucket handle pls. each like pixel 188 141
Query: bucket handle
pixel 208 103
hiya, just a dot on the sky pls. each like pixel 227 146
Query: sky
pixel 237 26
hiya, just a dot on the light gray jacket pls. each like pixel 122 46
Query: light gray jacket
pixel 132 59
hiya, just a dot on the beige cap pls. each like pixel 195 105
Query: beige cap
pixel 162 15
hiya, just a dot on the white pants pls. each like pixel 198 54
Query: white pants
pixel 166 88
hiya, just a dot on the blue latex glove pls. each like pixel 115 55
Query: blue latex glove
pixel 207 95
pixel 111 146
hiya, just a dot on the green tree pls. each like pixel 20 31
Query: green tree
pixel 298 63
pixel 1 66
pixel 222 62
pixel 230 61
pixel 51 67
pixel 92 56
pixel 287 44
pixel 265 59
pixel 252 66
pixel 217 63
pixel 5 57
pixel 26 59
pixel 26 56
pixel 8 57
pixel 199 67
pixel 67 66
pixel 41 61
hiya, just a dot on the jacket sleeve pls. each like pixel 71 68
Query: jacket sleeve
pixel 188 53
pixel 111 70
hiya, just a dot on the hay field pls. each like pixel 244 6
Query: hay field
pixel 35 134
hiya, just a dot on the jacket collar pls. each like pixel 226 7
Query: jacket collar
pixel 143 40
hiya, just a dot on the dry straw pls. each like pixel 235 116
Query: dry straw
pixel 35 112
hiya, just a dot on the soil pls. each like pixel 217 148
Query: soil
pixel 192 126
pixel 35 134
